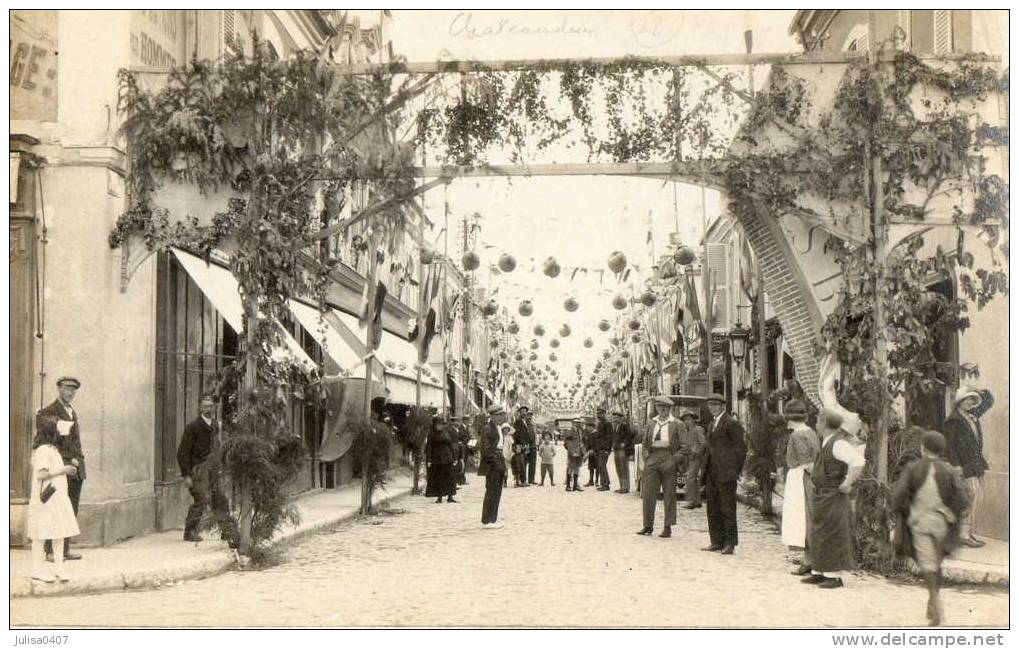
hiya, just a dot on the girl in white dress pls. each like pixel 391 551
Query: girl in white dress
pixel 54 519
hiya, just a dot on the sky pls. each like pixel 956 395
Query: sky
pixel 579 220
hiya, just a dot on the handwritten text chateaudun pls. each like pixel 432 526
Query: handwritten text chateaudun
pixel 465 25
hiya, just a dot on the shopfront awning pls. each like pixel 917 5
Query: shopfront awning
pixel 221 288
pixel 396 357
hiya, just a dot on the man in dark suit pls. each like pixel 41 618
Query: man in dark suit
pixel 524 436
pixel 603 446
pixel 661 451
pixel 622 447
pixel 722 462
pixel 69 445
pixel 201 438
pixel 492 466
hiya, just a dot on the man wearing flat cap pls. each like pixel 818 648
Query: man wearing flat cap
pixel 661 449
pixel 691 446
pixel 69 445
pixel 492 466
pixel 722 463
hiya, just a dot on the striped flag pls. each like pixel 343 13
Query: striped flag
pixel 428 313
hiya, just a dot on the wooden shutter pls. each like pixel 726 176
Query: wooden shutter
pixel 942 31
pixel 229 30
pixel 718 265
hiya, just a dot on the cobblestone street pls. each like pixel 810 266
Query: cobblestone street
pixel 563 559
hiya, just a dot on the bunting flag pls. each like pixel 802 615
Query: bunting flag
pixel 428 316
pixel 372 299
pixel 750 281
pixel 693 323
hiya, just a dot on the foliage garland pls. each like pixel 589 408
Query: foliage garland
pixel 185 134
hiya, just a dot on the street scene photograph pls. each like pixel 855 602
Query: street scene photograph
pixel 518 319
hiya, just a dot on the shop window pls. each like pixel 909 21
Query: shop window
pixel 194 345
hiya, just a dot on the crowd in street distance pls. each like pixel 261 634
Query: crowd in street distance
pixel 935 497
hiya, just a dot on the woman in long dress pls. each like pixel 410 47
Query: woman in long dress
pixel 801 453
pixel 54 519
pixel 441 456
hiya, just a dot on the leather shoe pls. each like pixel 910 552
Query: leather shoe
pixel 971 542
pixel 801 571
pixel 711 548
pixel 666 533
pixel 192 538
pixel 831 582
pixel 689 506
pixel 645 532
pixel 813 579
pixel 728 550
pixel 71 556
pixel 622 491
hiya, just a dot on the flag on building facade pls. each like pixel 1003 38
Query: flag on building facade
pixel 372 298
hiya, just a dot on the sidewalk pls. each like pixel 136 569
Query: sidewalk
pixel 161 558
pixel 986 565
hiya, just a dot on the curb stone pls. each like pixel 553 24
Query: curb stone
pixel 953 571
pixel 198 568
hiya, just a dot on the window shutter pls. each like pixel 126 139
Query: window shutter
pixel 942 31
pixel 718 266
pixel 906 24
pixel 229 30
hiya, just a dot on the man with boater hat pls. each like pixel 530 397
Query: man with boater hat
pixel 69 445
pixel 661 454
pixel 722 462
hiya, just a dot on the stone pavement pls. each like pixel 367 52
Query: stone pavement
pixel 562 559
pixel 986 565
pixel 164 558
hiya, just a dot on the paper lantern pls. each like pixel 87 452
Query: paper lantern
pixel 526 308
pixel 604 325
pixel 494 343
pixel 564 331
pixel 636 338
pixel 571 305
pixel 617 262
pixel 634 324
pixel 554 343
pixel 533 356
pixel 539 330
pixel 552 357
pixel 507 263
pixel 588 343
pixel 490 309
pixel 534 344
pixel 470 261
pixel 620 302
pixel 551 267
pixel 648 299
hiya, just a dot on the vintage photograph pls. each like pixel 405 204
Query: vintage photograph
pixel 475 319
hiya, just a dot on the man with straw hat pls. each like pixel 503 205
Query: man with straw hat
pixel 661 446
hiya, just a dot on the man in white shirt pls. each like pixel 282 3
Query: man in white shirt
pixel 661 452
pixel 838 466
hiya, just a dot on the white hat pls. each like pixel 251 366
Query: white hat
pixel 966 391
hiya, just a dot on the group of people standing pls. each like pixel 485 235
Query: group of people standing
pixel 446 454
pixel 712 459
pixel 935 496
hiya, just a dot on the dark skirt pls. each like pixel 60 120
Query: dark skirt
pixel 441 481
pixel 831 538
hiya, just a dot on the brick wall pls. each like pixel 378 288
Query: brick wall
pixel 790 296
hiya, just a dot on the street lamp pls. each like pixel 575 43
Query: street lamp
pixel 738 338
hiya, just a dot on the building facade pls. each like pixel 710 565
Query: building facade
pixel 145 334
